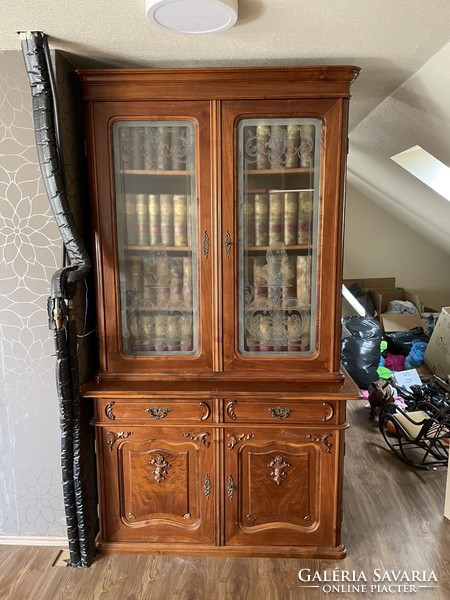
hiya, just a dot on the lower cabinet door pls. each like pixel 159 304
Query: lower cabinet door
pixel 157 485
pixel 281 487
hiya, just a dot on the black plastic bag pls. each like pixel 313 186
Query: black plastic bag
pixel 360 351
pixel 400 342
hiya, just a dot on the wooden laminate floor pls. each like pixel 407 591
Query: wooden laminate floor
pixel 392 523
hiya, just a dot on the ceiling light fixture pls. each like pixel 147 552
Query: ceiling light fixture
pixel 193 16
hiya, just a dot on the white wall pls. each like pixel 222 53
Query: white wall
pixel 379 245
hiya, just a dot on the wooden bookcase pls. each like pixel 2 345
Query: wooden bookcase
pixel 217 208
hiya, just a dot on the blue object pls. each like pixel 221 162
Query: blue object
pixel 416 354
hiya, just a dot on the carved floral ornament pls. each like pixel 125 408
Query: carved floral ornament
pixel 160 465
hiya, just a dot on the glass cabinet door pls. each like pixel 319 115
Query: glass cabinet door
pixel 156 216
pixel 278 200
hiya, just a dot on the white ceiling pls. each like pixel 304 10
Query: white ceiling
pixel 399 100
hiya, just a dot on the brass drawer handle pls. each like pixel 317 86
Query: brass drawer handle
pixel 279 412
pixel 157 412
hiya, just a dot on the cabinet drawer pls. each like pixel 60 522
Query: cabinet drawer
pixel 276 411
pixel 154 410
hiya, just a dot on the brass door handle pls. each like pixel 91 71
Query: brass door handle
pixel 228 244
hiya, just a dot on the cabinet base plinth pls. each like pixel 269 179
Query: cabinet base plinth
pixel 326 552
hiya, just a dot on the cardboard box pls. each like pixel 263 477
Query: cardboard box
pixel 371 282
pixel 437 354
pixel 396 321
pixel 429 320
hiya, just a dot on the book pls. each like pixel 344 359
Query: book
pixel 278 139
pixel 290 218
pixel 250 146
pixel 150 148
pixel 148 283
pixel 259 282
pixel 125 148
pixel 248 216
pixel 163 160
pixel 261 219
pixel 134 279
pixel 307 133
pixel 130 218
pixel 142 219
pixel 262 146
pixel 305 209
pixel 173 333
pixel 276 205
pixel 303 274
pixel 178 148
pixel 187 333
pixel 180 219
pixel 187 291
pixel 161 277
pixel 160 335
pixel 176 279
pixel 289 267
pixel 292 146
pixel 305 338
pixel 154 220
pixel 137 148
pixel 167 237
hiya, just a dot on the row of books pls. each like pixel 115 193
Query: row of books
pixel 285 341
pixel 160 333
pixel 275 217
pixel 279 146
pixel 292 280
pixel 159 282
pixel 157 219
pixel 154 148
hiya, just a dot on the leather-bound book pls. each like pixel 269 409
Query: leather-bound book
pixel 137 148
pixel 180 219
pixel 305 209
pixel 293 144
pixel 262 144
pixel 150 148
pixel 259 282
pixel 187 282
pixel 278 145
pixel 249 220
pixel 276 202
pixel 307 145
pixel 178 148
pixel 125 148
pixel 130 216
pixel 167 236
pixel 176 279
pixel 142 219
pixel 163 160
pixel 261 219
pixel 154 220
pixel 291 218
pixel 304 280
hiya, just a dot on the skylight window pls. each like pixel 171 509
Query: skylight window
pixel 427 168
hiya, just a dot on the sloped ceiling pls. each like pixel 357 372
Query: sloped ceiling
pixel 399 100
pixel 418 112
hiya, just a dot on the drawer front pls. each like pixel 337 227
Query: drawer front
pixel 279 411
pixel 161 410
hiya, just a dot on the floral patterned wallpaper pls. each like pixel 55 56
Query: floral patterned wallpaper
pixel 30 251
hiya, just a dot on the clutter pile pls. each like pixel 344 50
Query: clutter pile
pixel 398 353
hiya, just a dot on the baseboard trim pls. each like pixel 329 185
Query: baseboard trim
pixel 33 540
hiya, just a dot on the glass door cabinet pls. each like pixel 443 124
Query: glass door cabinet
pixel 217 201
